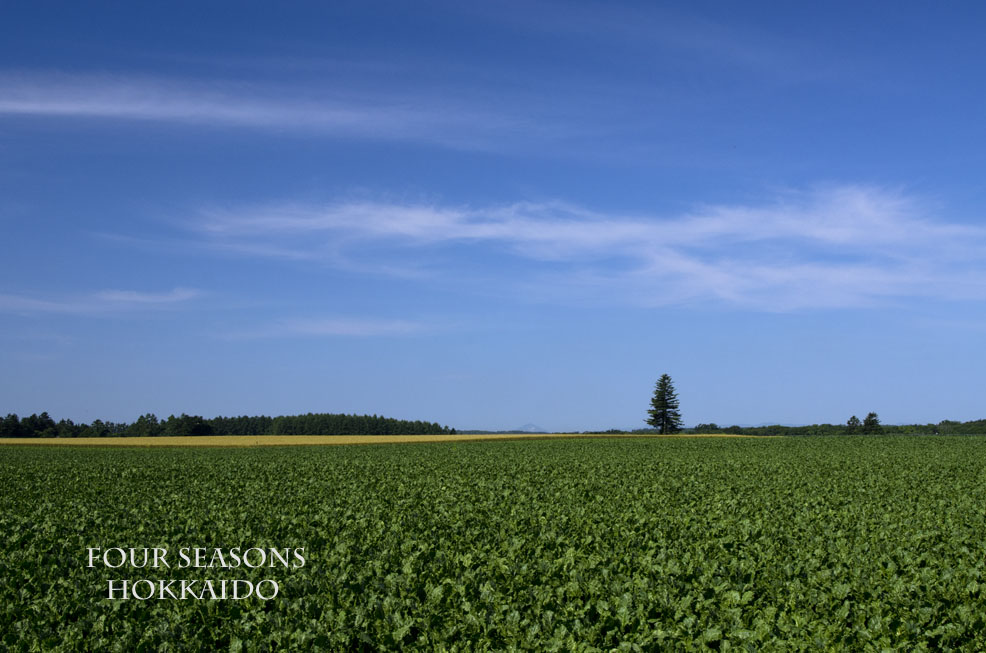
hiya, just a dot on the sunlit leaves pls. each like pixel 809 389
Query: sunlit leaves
pixel 548 545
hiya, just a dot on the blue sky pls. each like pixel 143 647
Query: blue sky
pixel 492 214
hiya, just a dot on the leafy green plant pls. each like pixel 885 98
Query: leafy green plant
pixel 827 543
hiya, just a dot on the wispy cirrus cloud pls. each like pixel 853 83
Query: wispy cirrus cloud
pixel 650 27
pixel 835 247
pixel 102 302
pixel 570 115
pixel 331 327
pixel 320 109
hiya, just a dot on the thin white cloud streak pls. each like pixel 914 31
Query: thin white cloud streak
pixel 839 247
pixel 684 36
pixel 844 216
pixel 134 297
pixel 648 28
pixel 149 100
pixel 335 327
pixel 410 117
pixel 102 302
pixel 557 117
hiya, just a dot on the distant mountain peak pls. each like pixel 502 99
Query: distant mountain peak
pixel 529 428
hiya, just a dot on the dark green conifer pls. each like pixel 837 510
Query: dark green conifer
pixel 664 415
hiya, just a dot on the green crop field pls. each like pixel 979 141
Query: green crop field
pixel 744 544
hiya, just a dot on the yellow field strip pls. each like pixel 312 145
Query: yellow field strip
pixel 287 440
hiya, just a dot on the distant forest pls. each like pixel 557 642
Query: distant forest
pixel 945 427
pixel 43 426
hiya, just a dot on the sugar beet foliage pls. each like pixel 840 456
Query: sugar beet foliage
pixel 827 543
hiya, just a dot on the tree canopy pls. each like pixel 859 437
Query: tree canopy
pixel 149 425
pixel 663 414
pixel 871 425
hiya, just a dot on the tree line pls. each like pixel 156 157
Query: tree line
pixel 148 425
pixel 945 427
pixel 664 418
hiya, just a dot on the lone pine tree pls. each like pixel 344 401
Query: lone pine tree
pixel 664 415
